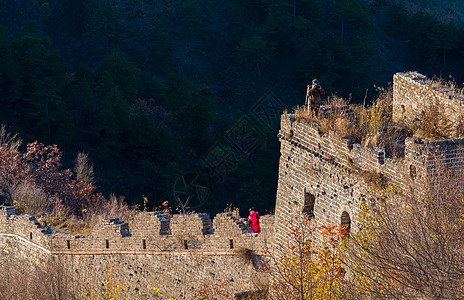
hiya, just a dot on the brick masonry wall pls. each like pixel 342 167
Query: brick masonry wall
pixel 334 171
pixel 177 256
pixel 175 274
pixel 413 94
pixel 322 166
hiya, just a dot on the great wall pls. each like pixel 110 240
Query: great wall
pixel 318 176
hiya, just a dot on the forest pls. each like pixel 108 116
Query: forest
pixel 179 100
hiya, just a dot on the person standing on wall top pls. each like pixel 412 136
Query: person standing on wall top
pixel 313 96
pixel 253 218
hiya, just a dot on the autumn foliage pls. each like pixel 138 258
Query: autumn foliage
pixel 409 246
pixel 309 265
pixel 37 173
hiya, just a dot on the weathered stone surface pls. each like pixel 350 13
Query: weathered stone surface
pixel 147 253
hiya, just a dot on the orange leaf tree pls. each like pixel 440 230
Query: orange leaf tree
pixel 309 265
pixel 41 167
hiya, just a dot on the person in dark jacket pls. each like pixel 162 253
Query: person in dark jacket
pixel 313 96
pixel 253 218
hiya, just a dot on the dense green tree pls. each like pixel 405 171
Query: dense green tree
pixel 190 18
pixel 449 39
pixel 104 30
pixel 42 80
pixel 425 36
pixel 155 89
pixel 305 35
pixel 123 74
pixel 398 20
pixel 146 141
pixel 276 28
pixel 309 9
pixel 262 169
pixel 353 17
pixel 9 76
pixel 106 122
pixel 160 48
pixel 82 85
pixel 361 53
pixel 151 152
pixel 74 15
pixel 255 52
pixel 196 113
pixel 253 11
pixel 306 40
pixel 332 65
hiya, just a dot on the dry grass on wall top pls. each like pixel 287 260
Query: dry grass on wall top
pixel 373 125
pixel 441 83
pixel 115 207
pixel 368 125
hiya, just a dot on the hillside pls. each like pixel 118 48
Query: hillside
pixel 162 92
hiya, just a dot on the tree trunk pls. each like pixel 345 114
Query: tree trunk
pixel 48 122
pixel 343 23
pixel 294 10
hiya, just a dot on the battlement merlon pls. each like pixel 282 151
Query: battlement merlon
pixel 111 228
pixel 414 93
pixel 6 211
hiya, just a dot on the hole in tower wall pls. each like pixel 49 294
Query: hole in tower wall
pixel 30 235
pixel 231 244
pixel 107 242
pixel 345 221
pixel 290 134
pixel 309 202
pixel 144 244
pixel 412 171
pixel 68 244
pixel 185 244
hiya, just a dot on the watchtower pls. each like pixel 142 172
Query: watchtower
pixel 326 177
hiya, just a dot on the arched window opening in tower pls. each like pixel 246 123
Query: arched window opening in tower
pixel 412 171
pixel 346 222
pixel 309 201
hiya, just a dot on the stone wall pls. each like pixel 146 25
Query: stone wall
pixel 414 94
pixel 325 168
pixel 176 255
pixel 336 174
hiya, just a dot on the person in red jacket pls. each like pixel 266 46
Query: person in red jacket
pixel 253 218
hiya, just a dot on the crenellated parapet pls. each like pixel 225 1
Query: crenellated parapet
pixel 176 253
pixel 305 140
pixel 147 233
pixel 229 225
